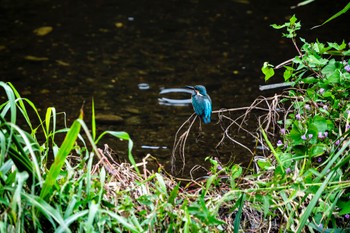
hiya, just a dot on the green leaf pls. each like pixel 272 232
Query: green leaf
pixel 264 164
pixel 267 70
pixel 295 136
pixel 266 205
pixel 320 123
pixel 334 78
pixel 236 171
pixel 345 207
pixel 123 221
pixel 271 148
pixel 317 150
pixel 331 66
pixel 47 210
pixel 310 80
pixel 239 213
pixel 93 209
pixel 275 26
pixel 61 156
pixel 336 46
pixel 339 13
pixel 15 149
pixel 93 120
pixel 316 60
pixel 288 73
pixel 161 184
pixel 124 136
pixel 173 194
pixel 319 47
pixel 293 19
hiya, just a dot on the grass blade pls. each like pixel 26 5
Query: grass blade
pixel 63 152
pixel 313 202
pixel 239 213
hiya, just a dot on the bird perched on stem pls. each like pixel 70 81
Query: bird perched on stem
pixel 201 103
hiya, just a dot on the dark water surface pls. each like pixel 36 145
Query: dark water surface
pixel 104 49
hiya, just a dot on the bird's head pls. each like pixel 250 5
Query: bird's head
pixel 199 89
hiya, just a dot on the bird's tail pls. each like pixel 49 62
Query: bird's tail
pixel 206 119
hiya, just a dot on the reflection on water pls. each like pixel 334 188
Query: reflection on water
pixel 143 86
pixel 174 102
pixel 153 147
pixel 122 53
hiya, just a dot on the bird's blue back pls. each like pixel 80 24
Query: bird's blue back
pixel 202 104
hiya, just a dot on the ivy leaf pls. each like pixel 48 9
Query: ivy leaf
pixel 267 70
pixel 334 78
pixel 275 26
pixel 345 207
pixel 336 46
pixel 292 20
pixel 295 136
pixel 288 73
pixel 317 61
pixel 317 150
pixel 320 123
pixel 330 67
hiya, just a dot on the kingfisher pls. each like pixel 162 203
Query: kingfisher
pixel 201 102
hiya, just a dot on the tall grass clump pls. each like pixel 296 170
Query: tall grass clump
pixel 64 195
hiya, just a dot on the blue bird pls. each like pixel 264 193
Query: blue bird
pixel 201 103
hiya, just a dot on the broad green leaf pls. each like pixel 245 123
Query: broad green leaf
pixel 316 60
pixel 337 46
pixel 317 150
pixel 236 171
pixel 320 123
pixel 288 73
pixel 319 47
pixel 295 136
pixel 267 70
pixel 310 80
pixel 264 164
pixel 334 78
pixel 331 67
pixel 345 207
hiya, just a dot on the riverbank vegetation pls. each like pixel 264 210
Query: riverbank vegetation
pixel 300 184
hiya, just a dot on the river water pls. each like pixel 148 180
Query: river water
pixel 106 49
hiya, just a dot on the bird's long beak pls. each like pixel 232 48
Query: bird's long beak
pixel 190 87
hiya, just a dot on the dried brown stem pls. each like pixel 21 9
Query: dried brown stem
pixel 271 108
